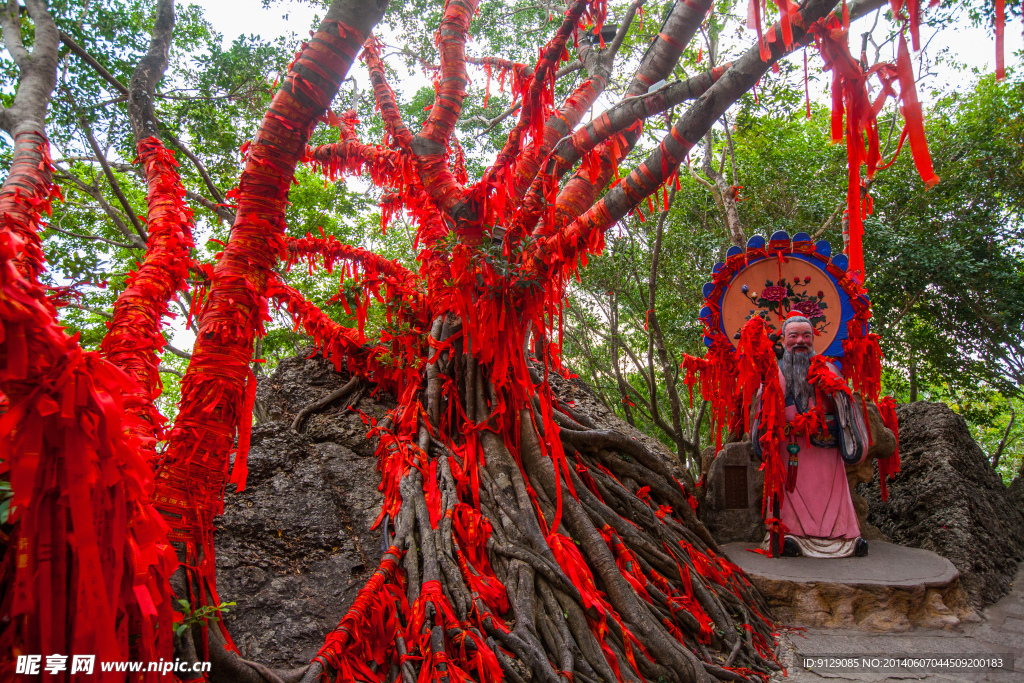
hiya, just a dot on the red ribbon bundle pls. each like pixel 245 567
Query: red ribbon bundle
pixel 472 531
pixel 890 466
pixel 135 338
pixel 717 375
pixel 88 560
pixel 850 97
pixel 366 634
pixel 213 408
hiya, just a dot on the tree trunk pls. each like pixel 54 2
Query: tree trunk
pixel 218 388
pixel 913 377
pixel 87 562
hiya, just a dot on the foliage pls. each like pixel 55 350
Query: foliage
pixel 200 616
pixel 944 266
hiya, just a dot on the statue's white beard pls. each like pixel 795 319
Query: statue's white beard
pixel 794 370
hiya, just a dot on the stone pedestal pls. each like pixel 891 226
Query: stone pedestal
pixel 893 589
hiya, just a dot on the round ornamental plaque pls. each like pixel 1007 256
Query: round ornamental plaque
pixel 776 277
pixel 774 288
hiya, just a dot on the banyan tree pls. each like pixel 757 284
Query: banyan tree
pixel 525 542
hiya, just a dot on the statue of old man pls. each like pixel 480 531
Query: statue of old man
pixel 817 513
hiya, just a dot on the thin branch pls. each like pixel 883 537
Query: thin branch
pixel 608 54
pixel 732 149
pixel 906 309
pixel 693 173
pixel 177 352
pixel 184 312
pixel 220 210
pixel 95 193
pixel 214 190
pixel 91 61
pixel 170 371
pixel 489 124
pixel 111 179
pixel 122 245
pixel 827 223
pixel 90 309
pixel 1002 444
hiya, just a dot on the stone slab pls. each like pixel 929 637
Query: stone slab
pixel 887 564
pixel 815 643
pixel 894 589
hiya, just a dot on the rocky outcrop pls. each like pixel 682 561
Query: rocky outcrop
pixel 949 500
pixel 295 547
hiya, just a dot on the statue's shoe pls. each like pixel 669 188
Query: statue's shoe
pixel 860 549
pixel 790 548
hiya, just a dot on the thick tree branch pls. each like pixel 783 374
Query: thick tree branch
pixel 724 194
pixel 691 127
pixel 177 352
pixel 626 113
pixel 148 72
pixel 430 144
pixel 11 19
pixel 38 70
pixel 95 238
pixel 170 371
pixel 579 193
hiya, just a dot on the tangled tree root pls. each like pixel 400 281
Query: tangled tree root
pixel 529 545
pixel 476 584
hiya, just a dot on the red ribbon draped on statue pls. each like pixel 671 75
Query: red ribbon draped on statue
pixel 889 467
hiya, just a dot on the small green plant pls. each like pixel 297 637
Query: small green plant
pixel 199 616
pixel 6 496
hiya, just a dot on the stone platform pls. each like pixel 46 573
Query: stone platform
pixel 893 589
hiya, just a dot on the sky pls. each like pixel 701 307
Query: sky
pixel 974 47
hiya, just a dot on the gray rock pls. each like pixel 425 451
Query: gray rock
pixel 947 499
pixel 295 547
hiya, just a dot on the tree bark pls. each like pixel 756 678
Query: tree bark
pixel 135 339
pixel 87 561
pixel 688 129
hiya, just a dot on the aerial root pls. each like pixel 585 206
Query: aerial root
pixel 327 400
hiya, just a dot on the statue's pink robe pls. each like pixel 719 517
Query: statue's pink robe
pixel 820 506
